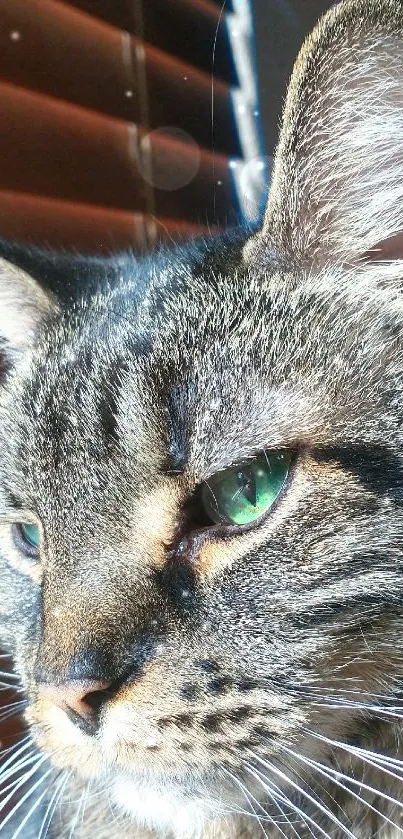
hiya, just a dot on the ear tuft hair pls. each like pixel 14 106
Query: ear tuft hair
pixel 337 188
pixel 24 306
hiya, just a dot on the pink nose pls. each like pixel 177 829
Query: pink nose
pixel 83 698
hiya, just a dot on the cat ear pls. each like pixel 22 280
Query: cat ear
pixel 24 306
pixel 337 186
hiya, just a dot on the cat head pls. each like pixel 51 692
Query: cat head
pixel 201 478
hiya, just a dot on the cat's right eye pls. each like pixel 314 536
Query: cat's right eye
pixel 27 538
pixel 243 493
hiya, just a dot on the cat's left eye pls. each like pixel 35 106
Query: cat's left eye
pixel 243 493
pixel 27 538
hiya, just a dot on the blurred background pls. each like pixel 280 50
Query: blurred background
pixel 128 122
pixel 124 122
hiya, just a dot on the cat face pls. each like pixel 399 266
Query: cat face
pixel 201 481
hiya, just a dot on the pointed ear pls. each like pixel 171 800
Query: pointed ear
pixel 24 306
pixel 337 187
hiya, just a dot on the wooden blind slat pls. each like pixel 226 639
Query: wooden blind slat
pixel 78 155
pixel 189 29
pixel 181 96
pixel 111 67
pixel 61 52
pixel 84 228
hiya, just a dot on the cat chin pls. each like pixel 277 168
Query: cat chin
pixel 164 807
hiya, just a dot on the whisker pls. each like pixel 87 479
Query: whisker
pixel 324 691
pixel 20 782
pixel 12 710
pixel 52 805
pixel 15 763
pixel 237 493
pixel 212 492
pixel 375 759
pixel 16 760
pixel 271 821
pixel 306 795
pixel 10 675
pixel 112 811
pixel 14 751
pixel 6 686
pixel 275 801
pixel 278 793
pixel 334 775
pixel 28 815
pixel 309 786
pixel 248 796
pixel 87 796
pixel 76 816
pixel 337 704
pixel 10 749
pixel 22 801
pixel 306 819
pixel 18 769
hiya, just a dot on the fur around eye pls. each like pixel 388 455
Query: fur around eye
pixel 27 538
pixel 243 493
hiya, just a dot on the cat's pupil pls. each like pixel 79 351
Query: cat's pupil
pixel 243 493
pixel 247 484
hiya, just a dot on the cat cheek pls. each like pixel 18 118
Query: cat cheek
pixel 213 557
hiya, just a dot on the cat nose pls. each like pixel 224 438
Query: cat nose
pixel 82 701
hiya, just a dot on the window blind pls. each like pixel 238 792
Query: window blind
pixel 123 122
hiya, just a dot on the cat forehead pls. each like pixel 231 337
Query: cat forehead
pixel 204 370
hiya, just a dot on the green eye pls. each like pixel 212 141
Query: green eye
pixel 31 534
pixel 27 538
pixel 245 492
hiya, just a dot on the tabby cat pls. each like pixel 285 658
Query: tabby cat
pixel 201 497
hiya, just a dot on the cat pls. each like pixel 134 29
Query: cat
pixel 201 496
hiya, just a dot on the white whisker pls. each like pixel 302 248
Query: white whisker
pixel 12 710
pixel 22 800
pixel 9 675
pixel 80 807
pixel 249 798
pixel 23 742
pixel 334 775
pixel 375 759
pixel 17 767
pixel 20 782
pixel 47 819
pixel 28 815
pixel 307 820
pixel 318 804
